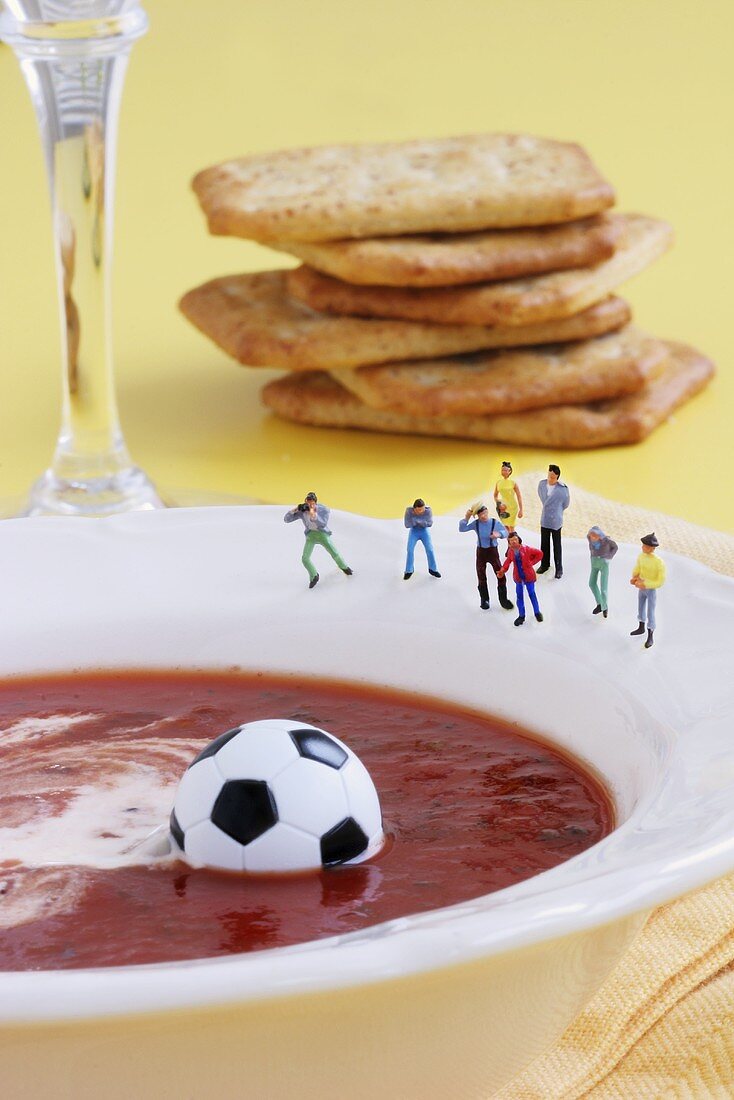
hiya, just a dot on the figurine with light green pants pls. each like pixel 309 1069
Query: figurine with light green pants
pixel 315 518
pixel 602 550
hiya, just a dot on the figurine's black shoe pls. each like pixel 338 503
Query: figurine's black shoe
pixel 314 581
pixel 640 630
pixel 559 573
pixel 508 605
pixel 349 572
pixel 407 576
pixel 434 572
pixel 484 605
pixel 597 609
pixel 543 569
pixel 519 620
pixel 605 613
pixel 539 616
pixel 649 641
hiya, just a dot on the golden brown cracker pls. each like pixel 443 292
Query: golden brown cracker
pixel 318 400
pixel 253 319
pixel 512 381
pixel 514 302
pixel 453 259
pixel 453 184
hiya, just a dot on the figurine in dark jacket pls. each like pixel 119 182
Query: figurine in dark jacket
pixel 418 518
pixel 602 550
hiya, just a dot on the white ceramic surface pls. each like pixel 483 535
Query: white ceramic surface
pixel 223 587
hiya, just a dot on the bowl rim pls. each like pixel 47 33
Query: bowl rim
pixel 597 887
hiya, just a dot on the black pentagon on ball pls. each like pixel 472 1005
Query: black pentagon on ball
pixel 345 841
pixel 215 745
pixel 315 745
pixel 176 830
pixel 244 809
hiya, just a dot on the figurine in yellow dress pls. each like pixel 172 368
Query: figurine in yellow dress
pixel 508 498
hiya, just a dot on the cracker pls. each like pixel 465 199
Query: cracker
pixel 317 399
pixel 478 181
pixel 512 381
pixel 515 302
pixel 252 318
pixel 452 259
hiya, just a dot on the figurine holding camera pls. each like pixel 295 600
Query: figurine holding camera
pixel 315 519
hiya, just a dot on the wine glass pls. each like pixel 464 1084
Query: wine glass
pixel 73 54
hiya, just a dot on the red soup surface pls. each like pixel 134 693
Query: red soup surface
pixel 471 804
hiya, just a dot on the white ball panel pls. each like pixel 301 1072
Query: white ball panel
pixel 310 796
pixel 257 753
pixel 197 792
pixel 207 846
pixel 283 848
pixel 364 804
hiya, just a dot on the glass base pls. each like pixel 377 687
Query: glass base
pixel 131 492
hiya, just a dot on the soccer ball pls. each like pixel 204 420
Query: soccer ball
pixel 276 795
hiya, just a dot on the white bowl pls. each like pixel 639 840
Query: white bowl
pixel 447 1003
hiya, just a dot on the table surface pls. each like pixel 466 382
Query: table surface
pixel 647 88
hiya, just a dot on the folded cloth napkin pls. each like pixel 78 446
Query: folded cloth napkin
pixel 663 1023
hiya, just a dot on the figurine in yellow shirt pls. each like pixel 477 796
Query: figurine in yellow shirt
pixel 648 576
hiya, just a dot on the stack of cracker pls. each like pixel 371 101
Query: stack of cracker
pixel 461 287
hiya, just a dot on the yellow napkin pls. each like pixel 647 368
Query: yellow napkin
pixel 663 1023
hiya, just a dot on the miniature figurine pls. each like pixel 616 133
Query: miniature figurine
pixel 418 518
pixel 488 531
pixel 648 576
pixel 508 498
pixel 602 550
pixel 315 518
pixel 522 558
pixel 555 497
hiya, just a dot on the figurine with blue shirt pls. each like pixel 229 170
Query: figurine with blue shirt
pixel 488 532
pixel 315 519
pixel 555 497
pixel 418 518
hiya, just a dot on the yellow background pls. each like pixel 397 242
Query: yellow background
pixel 645 85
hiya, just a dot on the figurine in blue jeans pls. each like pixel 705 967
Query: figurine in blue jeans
pixel 522 559
pixel 418 518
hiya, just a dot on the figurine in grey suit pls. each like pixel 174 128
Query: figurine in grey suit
pixel 555 498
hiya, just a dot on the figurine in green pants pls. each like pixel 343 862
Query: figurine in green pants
pixel 315 518
pixel 602 550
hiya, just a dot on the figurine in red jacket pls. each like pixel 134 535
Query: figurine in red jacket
pixel 522 558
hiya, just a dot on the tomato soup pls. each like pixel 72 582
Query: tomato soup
pixel 89 765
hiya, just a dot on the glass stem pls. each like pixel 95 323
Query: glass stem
pixel 76 85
